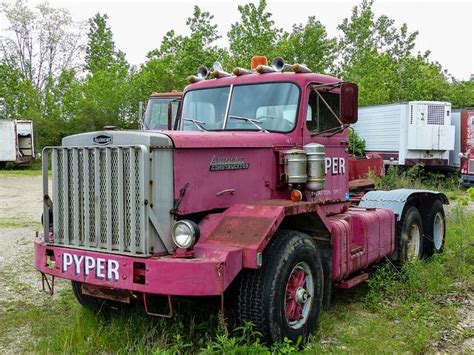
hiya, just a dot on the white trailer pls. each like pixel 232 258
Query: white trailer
pixel 408 133
pixel 16 142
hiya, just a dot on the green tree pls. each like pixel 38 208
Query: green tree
pixel 255 34
pixel 40 43
pixel 178 56
pixel 461 93
pixel 103 93
pixel 309 44
pixel 100 50
pixel 378 57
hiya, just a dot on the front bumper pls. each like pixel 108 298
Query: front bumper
pixel 467 180
pixel 208 273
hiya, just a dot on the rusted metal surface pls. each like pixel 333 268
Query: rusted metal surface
pixel 242 231
pixel 209 273
pixel 107 293
pixel 353 281
pixel 360 238
pixel 161 315
pixel 47 286
pixel 167 94
pixel 360 168
pixel 252 225
pixel 361 184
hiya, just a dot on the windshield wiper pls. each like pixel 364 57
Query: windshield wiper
pixel 250 120
pixel 198 124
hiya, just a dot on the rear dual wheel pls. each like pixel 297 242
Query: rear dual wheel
pixel 410 236
pixel 283 298
pixel 419 239
pixel 435 228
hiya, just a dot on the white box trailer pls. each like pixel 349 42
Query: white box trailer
pixel 16 142
pixel 408 133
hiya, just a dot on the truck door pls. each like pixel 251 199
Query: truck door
pixel 324 128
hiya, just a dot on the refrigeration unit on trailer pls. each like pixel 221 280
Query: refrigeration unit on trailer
pixel 408 133
pixel 462 157
pixel 16 142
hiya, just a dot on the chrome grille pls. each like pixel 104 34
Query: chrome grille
pixel 436 115
pixel 99 198
pixel 470 168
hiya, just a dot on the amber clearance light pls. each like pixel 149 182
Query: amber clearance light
pixel 296 196
pixel 258 60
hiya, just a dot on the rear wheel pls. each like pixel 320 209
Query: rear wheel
pixel 435 228
pixel 283 298
pixel 410 236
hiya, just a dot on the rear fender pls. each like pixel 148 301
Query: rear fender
pixel 250 227
pixel 398 200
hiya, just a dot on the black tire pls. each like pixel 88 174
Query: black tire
pixel 410 236
pixel 93 303
pixel 435 229
pixel 262 294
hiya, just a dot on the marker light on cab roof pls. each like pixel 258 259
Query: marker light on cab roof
pixel 258 60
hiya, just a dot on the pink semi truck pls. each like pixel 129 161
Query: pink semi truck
pixel 250 193
pixel 462 157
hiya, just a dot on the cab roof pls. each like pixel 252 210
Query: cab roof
pixel 166 94
pixel 300 79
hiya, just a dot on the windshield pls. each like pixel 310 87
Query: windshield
pixel 270 106
pixel 156 114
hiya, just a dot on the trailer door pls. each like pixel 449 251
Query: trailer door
pixel 7 141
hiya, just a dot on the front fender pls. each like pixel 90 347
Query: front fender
pixel 249 227
pixel 397 199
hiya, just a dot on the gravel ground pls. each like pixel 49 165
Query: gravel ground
pixel 21 202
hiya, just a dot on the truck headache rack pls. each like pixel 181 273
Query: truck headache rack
pixel 98 198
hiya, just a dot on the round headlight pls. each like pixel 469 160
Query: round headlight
pixel 184 234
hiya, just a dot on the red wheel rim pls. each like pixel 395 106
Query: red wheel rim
pixel 299 289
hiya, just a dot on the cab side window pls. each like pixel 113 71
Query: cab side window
pixel 319 117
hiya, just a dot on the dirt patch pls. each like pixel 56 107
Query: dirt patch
pixel 21 197
pixel 454 341
pixel 21 201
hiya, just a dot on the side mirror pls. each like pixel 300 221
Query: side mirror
pixel 348 103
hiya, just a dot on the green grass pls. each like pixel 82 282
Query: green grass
pixel 396 311
pixel 20 172
pixel 19 223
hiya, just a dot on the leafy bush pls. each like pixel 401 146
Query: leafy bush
pixel 417 177
pixel 356 144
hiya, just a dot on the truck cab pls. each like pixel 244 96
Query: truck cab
pixel 162 110
pixel 467 154
pixel 250 193
pixel 462 157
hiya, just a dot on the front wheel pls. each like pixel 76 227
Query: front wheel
pixel 283 298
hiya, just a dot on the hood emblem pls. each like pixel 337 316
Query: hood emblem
pixel 227 163
pixel 102 139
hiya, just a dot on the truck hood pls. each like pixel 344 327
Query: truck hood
pixel 227 139
pixel 180 139
pixel 105 138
